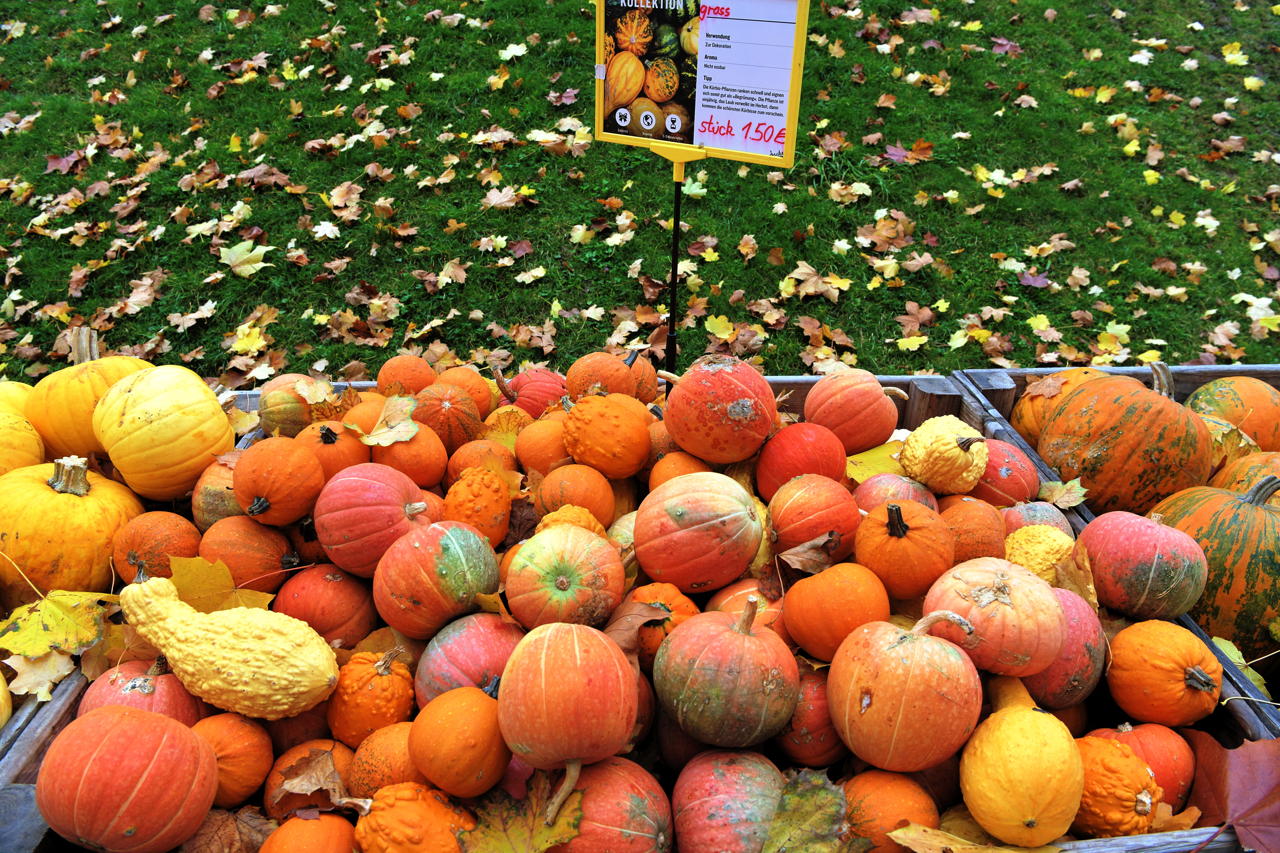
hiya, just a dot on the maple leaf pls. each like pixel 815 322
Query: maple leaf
pixel 242 831
pixel 507 825
pixel 625 624
pixel 209 587
pixel 813 556
pixel 244 258
pixel 395 424
pixel 316 771
pixel 811 816
pixel 60 621
pixel 915 318
pixel 501 199
pixel 1238 787
pixel 119 643
pixel 1062 495
pixel 38 675
pixel 1047 386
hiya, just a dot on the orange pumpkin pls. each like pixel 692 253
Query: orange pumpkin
pixel 907 545
pixel 469 379
pixel 1120 791
pixel 451 412
pixel 679 607
pixel 482 499
pixel 243 749
pixel 383 759
pixel 374 690
pixel 978 527
pixel 335 447
pixel 565 574
pixel 258 556
pixel 878 802
pixel 277 480
pixel 540 445
pixel 325 833
pixel 410 372
pixel 606 435
pixel 579 485
pixel 147 541
pixel 1043 395
pixel 820 610
pixel 456 744
pixel 409 817
pixel 603 372
pixel 1162 673
pixel 483 452
pixel 421 457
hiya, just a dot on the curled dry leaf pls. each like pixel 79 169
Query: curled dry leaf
pixel 625 624
pixel 316 772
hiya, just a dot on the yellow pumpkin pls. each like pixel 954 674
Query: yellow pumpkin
pixel 13 396
pixel 635 33
pixel 20 444
pixel 162 427
pixel 689 36
pixel 1021 774
pixel 623 80
pixel 56 524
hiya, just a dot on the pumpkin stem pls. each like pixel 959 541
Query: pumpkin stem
pixel 1197 679
pixel 501 381
pixel 934 617
pixel 748 617
pixel 1143 804
pixel 631 357
pixel 291 561
pixel 383 666
pixel 1162 379
pixel 897 392
pixel 1125 727
pixel 259 506
pixel 159 667
pixel 965 442
pixel 1262 490
pixel 491 689
pixel 571 770
pixel 657 412
pixel 415 508
pixel 84 344
pixel 71 476
pixel 897 526
pixel 327 435
pixel 669 378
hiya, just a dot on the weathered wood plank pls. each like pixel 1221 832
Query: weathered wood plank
pixel 21 826
pixel 1207 840
pixel 22 761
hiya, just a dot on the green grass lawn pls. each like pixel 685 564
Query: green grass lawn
pixel 1094 183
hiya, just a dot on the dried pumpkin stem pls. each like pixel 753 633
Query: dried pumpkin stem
pixel 1262 490
pixel 897 392
pixel 1162 379
pixel 668 377
pixel 748 617
pixel 159 667
pixel 897 525
pixel 571 770
pixel 383 666
pixel 1197 679
pixel 70 476
pixel 934 617
pixel 965 442
pixel 84 344
pixel 415 508
pixel 501 382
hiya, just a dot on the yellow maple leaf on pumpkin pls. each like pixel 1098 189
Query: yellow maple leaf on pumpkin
pixel 861 467
pixel 209 587
pixel 396 423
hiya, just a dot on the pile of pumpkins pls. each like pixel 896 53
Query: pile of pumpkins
pixel 455 560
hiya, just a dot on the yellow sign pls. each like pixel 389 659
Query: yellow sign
pixel 690 80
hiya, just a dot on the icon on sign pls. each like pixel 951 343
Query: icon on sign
pixel 622 117
pixel 648 120
pixel 673 123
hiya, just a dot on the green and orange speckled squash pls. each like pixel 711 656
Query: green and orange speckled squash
pixel 1240 535
pixel 1042 397
pixel 662 80
pixel 1130 445
pixel 1249 403
pixel 1242 474
pixel 634 33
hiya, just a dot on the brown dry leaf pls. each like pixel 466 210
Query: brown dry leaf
pixel 334 408
pixel 1049 386
pixel 395 424
pixel 316 772
pixel 922 839
pixel 625 624
pixel 813 556
pixel 243 831
pixel 1167 821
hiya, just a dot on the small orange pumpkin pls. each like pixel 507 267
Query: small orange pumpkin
pixel 374 690
pixel 679 607
pixel 277 480
pixel 278 802
pixel 325 833
pixel 411 372
pixel 382 759
pixel 907 545
pixel 821 610
pixel 1162 673
pixel 456 744
pixel 147 541
pixel 243 749
pixel 335 447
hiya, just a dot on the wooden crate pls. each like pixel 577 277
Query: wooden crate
pixel 989 396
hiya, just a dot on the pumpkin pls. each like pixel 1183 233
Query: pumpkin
pixel 644 373
pixel 907 545
pixel 1036 512
pixel 162 427
pixel 1021 798
pixel 977 526
pixel 481 498
pixel 578 485
pixel 1043 395
pixel 147 541
pixel 1247 402
pixel 678 606
pixel 674 744
pixel 1120 791
pixel 325 833
pixel 361 418
pixel 878 802
pixel 432 574
pixel 282 411
pixel 470 651
pixel 540 445
pixel 319 753
pixel 882 488
pixel 532 389
pixel 1242 474
pixel 213 496
pixel 451 412
pixel 258 556
pixel 689 35
pixel 796 449
pixel 624 810
pixel 565 574
pixel 1162 673
pixel 20 444
pixel 410 372
pixel 456 744
pixel 734 597
pixel 1018 623
pixel 381 759
pixel 662 80
pixel 481 453
pixel 61 404
pixel 1077 669
pixel 820 610
pixel 1130 446
pixel 1141 567
pixel 374 690
pixel 333 446
pixel 585 714
pixel 854 405
pixel 1167 753
pixel 334 603
pixel 146 684
pixel 725 681
pixel 1009 478
pixel 1039 548
pixel 945 454
pixel 149 797
pixel 725 801
pixel 660 444
pixel 14 396
pixel 809 737
pixel 409 817
pixel 634 33
pixel 242 748
pixel 903 700
pixel 673 465
pixel 288 732
pixel 603 372
pixel 361 511
pixel 276 481
pixel 721 410
pixel 469 379
pixel 811 509
pixel 57 522
pixel 699 532
pixel 604 434
pixel 1240 536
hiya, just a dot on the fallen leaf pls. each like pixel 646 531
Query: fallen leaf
pixel 1234 654
pixel 209 587
pixel 60 621
pixel 625 624
pixel 244 258
pixel 119 643
pixel 1062 495
pixel 243 831
pixel 922 839
pixel 508 825
pixel 1238 787
pixel 395 424
pixel 38 675
pixel 811 817
pixel 316 771
pixel 1048 386
pixel 813 556
pixel 861 467
pixel 1167 821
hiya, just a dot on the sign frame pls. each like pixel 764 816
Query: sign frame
pixel 682 152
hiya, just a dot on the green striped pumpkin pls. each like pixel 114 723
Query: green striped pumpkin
pixel 1240 535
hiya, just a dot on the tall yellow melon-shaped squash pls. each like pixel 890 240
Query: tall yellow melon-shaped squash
pixel 162 427
pixel 57 521
pixel 61 405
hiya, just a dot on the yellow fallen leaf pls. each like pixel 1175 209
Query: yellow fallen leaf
pixel 396 423
pixel 209 587
pixel 922 839
pixel 38 675
pixel 719 325
pixel 245 257
pixel 861 467
pixel 60 621
pixel 119 643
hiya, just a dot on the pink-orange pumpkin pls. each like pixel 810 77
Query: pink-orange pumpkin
pixel 1010 476
pixel 145 684
pixel 855 406
pixel 811 507
pixel 725 801
pixel 810 738
pixel 1142 568
pixel 797 449
pixel 624 810
pixel 1078 668
pixel 565 574
pixel 361 511
pixel 470 651
pixel 338 605
pixel 881 488
pixel 721 410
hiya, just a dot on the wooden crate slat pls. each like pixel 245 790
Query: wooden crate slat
pixel 1207 840
pixel 22 761
pixel 21 826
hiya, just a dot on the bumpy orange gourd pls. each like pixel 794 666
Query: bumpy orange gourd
pixel 1162 673
pixel 1120 791
pixel 634 32
pixel 606 435
pixel 383 759
pixel 482 499
pixel 374 690
pixel 411 818
pixel 456 744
